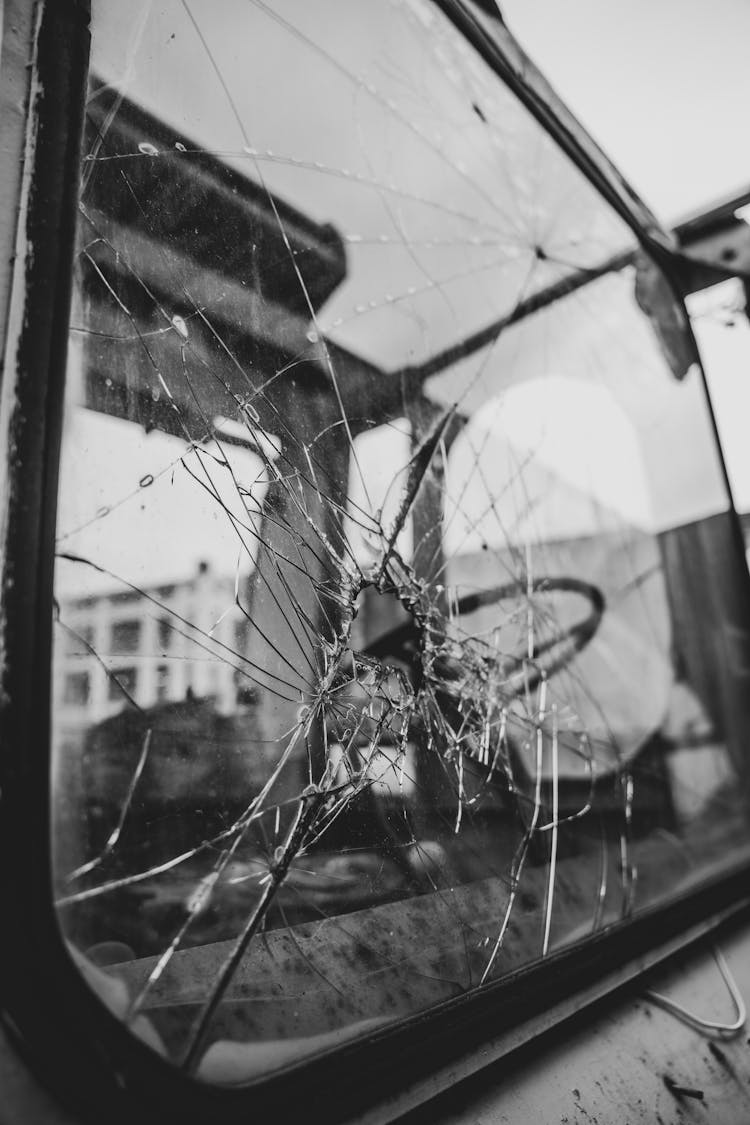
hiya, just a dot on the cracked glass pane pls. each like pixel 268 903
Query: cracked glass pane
pixel 401 631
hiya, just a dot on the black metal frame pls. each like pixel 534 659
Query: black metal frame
pixel 70 1041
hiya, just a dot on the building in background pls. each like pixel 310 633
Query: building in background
pixel 158 645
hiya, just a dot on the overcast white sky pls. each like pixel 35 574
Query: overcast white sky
pixel 663 86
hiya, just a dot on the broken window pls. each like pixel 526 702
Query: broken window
pixel 395 443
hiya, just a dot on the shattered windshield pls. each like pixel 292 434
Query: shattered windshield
pixel 400 627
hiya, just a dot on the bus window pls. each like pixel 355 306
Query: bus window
pixel 400 632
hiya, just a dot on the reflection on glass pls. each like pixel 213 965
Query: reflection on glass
pixel 401 628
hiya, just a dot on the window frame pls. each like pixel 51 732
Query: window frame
pixel 91 1060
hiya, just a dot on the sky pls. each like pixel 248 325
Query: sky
pixel 662 85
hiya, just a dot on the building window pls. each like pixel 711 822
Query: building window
pixel 121 680
pixel 165 633
pixel 78 640
pixel 241 631
pixel 162 683
pixel 76 689
pixel 126 636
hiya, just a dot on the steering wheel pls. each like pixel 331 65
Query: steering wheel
pixel 404 642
